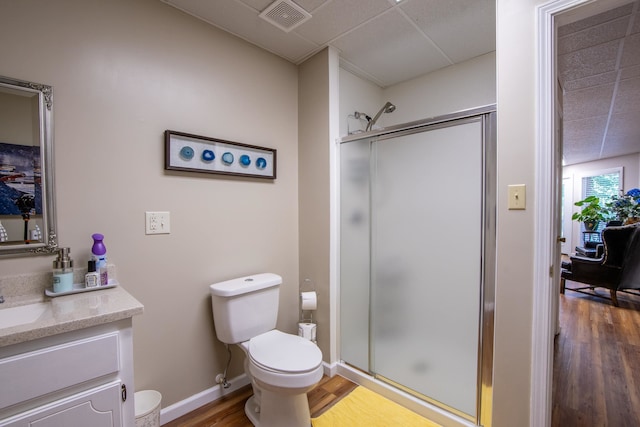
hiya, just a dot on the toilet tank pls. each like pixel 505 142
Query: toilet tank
pixel 245 307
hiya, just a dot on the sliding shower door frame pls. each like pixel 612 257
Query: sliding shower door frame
pixel 486 115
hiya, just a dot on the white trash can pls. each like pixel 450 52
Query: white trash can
pixel 147 403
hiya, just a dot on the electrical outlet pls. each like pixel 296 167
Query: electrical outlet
pixel 157 223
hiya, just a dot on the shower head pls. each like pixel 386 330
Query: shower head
pixel 386 108
pixel 389 107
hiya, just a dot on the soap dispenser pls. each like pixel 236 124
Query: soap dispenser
pixel 63 271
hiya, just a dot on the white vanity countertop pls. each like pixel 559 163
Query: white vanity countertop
pixel 72 312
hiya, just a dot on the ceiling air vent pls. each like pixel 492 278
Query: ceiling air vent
pixel 285 15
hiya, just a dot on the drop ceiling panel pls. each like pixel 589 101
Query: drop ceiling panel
pixel 636 25
pixel 630 72
pixel 628 97
pixel 586 82
pixel 400 50
pixel 311 5
pixel 589 102
pixel 588 62
pixel 336 18
pixel 624 130
pixel 583 139
pixel 595 20
pixel 462 29
pixel 247 25
pixel 606 32
pixel 258 5
pixel 631 51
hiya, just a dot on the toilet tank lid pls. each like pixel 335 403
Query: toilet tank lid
pixel 243 285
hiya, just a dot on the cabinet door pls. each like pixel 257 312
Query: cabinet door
pixel 98 407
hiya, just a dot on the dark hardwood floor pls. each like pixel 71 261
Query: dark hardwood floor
pixel 229 411
pixel 596 378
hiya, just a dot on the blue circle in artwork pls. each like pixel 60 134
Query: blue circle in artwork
pixel 186 152
pixel 208 156
pixel 245 160
pixel 227 158
pixel 261 163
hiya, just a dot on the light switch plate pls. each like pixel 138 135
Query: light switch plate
pixel 517 197
pixel 157 223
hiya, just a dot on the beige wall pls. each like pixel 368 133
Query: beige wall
pixel 468 84
pixel 313 178
pixel 123 72
pixel 358 94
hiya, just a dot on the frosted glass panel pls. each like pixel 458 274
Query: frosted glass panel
pixel 426 262
pixel 354 247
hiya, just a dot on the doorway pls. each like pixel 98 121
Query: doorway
pixel 548 178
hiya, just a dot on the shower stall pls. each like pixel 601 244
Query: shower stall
pixel 417 258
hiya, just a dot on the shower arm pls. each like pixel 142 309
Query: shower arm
pixel 386 108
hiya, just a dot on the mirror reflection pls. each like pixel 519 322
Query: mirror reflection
pixel 26 193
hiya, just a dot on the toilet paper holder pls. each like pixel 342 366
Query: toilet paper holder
pixel 308 300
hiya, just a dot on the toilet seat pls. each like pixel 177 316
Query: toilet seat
pixel 277 351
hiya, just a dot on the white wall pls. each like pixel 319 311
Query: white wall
pixel 122 72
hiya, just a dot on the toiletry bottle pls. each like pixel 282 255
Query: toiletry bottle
pixel 63 272
pixel 92 278
pixel 99 255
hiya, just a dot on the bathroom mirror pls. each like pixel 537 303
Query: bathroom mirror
pixel 27 199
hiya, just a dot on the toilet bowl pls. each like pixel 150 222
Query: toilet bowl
pixel 282 368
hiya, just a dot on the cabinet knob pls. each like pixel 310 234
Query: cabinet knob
pixel 124 393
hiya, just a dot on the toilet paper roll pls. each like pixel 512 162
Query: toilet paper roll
pixel 308 301
pixel 307 331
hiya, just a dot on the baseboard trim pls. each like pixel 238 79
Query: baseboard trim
pixel 192 403
pixel 330 369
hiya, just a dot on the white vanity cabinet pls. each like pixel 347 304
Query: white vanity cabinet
pixel 82 378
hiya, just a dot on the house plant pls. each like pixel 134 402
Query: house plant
pixel 626 207
pixel 592 212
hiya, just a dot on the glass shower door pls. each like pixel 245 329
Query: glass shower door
pixel 426 262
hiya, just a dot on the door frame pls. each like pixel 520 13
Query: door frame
pixel 547 176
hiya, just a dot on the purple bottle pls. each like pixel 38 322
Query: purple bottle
pixel 99 255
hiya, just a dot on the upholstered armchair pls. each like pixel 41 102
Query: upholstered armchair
pixel 617 269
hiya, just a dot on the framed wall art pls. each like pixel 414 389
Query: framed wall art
pixel 194 153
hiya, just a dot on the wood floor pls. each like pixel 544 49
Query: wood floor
pixel 229 411
pixel 596 378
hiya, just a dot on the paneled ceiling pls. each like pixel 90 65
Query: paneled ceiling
pixel 387 42
pixel 383 41
pixel 599 69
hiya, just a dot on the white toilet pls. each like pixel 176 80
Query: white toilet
pixel 282 367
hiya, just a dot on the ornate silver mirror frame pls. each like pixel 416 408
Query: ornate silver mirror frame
pixel 32 230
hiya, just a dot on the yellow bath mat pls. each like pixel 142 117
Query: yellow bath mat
pixel 364 408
